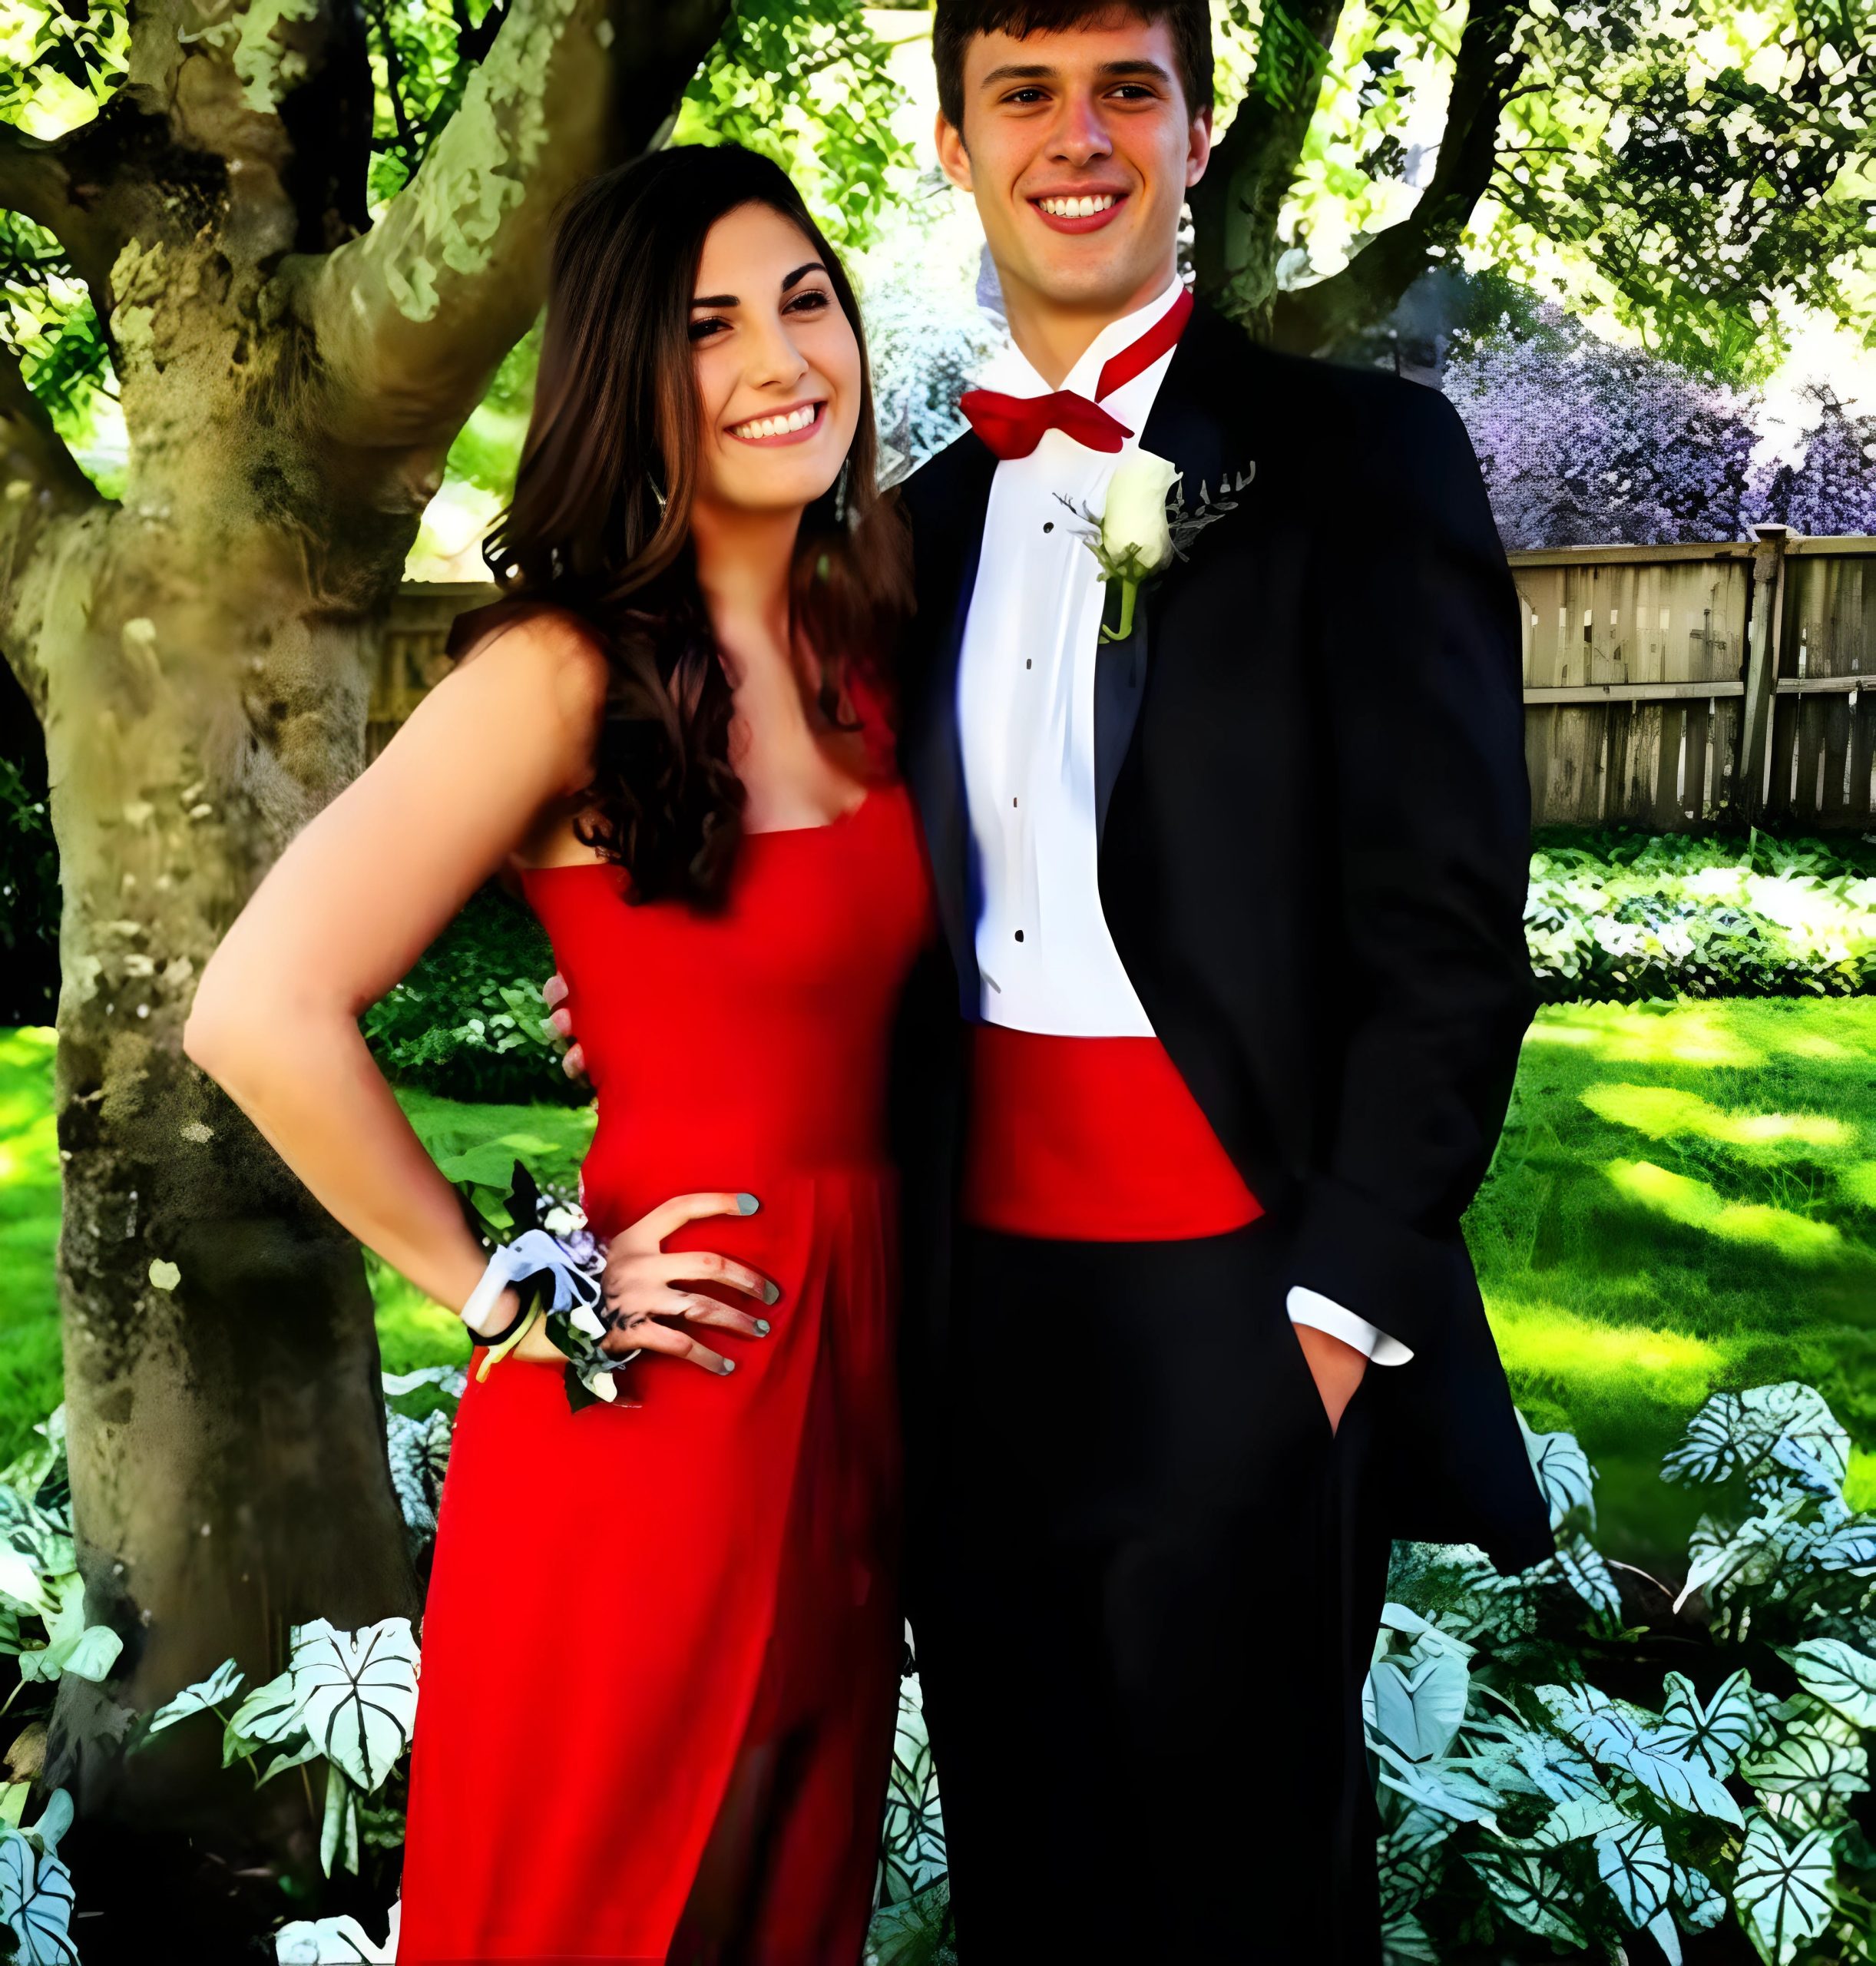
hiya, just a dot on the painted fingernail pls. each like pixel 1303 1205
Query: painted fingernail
pixel 762 1325
pixel 747 1204
pixel 729 1365
pixel 770 1293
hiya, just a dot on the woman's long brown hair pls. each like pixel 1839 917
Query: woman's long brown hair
pixel 615 409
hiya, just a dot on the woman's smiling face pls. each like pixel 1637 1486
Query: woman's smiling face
pixel 777 364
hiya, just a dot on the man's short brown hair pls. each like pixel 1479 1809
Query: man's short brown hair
pixel 958 21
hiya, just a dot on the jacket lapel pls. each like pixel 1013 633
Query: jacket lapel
pixel 948 514
pixel 1182 427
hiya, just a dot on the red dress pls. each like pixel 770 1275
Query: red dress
pixel 646 1624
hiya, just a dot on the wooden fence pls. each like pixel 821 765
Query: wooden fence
pixel 1671 686
pixel 1665 687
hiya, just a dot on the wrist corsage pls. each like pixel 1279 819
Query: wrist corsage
pixel 556 1265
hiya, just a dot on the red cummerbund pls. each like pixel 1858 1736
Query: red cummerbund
pixel 1095 1140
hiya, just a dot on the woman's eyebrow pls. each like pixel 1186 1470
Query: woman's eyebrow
pixel 730 300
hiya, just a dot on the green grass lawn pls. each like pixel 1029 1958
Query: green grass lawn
pixel 1684 1200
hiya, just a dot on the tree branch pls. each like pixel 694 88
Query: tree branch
pixel 1312 319
pixel 59 185
pixel 40 483
pixel 412 320
pixel 1236 204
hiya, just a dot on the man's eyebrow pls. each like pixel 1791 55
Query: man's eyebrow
pixel 1015 71
pixel 1140 65
pixel 1039 72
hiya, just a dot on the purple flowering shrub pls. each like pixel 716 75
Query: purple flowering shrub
pixel 1586 442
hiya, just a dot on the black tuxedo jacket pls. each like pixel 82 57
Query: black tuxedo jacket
pixel 1313 851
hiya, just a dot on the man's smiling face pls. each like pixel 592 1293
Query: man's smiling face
pixel 1079 148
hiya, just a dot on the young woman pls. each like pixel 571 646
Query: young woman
pixel 661 1645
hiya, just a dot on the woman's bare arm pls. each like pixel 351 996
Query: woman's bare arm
pixel 358 895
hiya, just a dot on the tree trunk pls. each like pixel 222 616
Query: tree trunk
pixel 204 652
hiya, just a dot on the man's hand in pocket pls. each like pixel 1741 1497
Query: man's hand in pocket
pixel 1337 1368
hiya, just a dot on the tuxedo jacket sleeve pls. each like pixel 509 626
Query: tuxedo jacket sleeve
pixel 1419 657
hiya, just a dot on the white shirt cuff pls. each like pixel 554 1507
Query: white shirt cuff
pixel 1308 1306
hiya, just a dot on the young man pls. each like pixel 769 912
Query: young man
pixel 1216 1054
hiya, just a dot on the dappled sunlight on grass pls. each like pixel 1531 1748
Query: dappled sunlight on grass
pixel 1661 1111
pixel 1693 1204
pixel 1819 1045
pixel 1700 1034
pixel 1649 1366
pixel 1739 1248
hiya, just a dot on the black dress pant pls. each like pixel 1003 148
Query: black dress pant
pixel 1145 1592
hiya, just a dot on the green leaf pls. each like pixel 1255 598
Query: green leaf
pixel 327 1942
pixel 338 1829
pixel 270 1713
pixel 1633 1861
pixel 1582 1567
pixel 1788 1426
pixel 203 1697
pixel 1702 1906
pixel 1661 1929
pixel 1838 1674
pixel 293 1758
pixel 1716 1735
pixel 1532 1893
pixel 87 1651
pixel 1437 1785
pixel 54 1819
pixel 1571 1822
pixel 1559 1768
pixel 35 1901
pixel 1808 1762
pixel 357 1692
pixel 1783 1892
pixel 1613 1738
pixel 1563 1472
pixel 1418 1703
pixel 1404 1938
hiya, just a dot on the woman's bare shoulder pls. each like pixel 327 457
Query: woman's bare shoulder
pixel 547 654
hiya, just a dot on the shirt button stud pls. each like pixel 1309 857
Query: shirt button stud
pixel 1019 934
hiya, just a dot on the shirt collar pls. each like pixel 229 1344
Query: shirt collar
pixel 1011 372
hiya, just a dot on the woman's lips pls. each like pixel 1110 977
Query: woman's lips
pixel 1091 222
pixel 800 436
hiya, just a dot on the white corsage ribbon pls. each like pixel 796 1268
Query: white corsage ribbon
pixel 559 1266
pixel 533 1249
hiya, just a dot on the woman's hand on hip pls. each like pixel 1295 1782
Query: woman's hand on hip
pixel 645 1285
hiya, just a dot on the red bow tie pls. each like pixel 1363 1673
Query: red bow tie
pixel 1012 426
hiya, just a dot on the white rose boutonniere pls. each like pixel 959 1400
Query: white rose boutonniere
pixel 1144 526
pixel 1132 536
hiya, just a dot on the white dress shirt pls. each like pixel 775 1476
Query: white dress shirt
pixel 1026 722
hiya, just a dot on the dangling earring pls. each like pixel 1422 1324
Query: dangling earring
pixel 840 494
